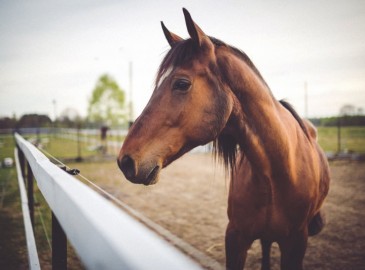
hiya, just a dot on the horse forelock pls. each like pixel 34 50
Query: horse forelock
pixel 164 75
pixel 182 52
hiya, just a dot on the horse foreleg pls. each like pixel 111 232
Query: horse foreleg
pixel 293 250
pixel 265 261
pixel 236 249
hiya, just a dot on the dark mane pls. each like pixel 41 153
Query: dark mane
pixel 225 148
pixel 241 55
pixel 290 108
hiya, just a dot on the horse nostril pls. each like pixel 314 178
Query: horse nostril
pixel 127 165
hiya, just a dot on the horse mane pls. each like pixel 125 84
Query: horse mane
pixel 241 55
pixel 296 116
pixel 226 148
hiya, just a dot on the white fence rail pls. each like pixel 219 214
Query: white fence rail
pixel 29 234
pixel 103 235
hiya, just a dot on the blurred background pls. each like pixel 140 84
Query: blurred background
pixel 75 74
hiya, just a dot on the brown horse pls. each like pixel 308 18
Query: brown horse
pixel 209 91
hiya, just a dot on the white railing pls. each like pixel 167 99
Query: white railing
pixel 29 234
pixel 103 235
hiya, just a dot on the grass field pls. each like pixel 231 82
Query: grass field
pixel 352 139
pixel 66 149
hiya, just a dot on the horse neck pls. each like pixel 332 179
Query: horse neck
pixel 255 122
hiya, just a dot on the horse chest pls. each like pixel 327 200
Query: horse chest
pixel 249 202
pixel 256 207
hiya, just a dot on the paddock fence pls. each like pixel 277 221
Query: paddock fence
pixel 103 235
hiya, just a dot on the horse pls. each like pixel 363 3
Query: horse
pixel 208 91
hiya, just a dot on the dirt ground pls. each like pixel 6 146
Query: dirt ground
pixel 190 200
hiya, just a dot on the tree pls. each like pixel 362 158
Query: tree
pixel 70 117
pixel 7 122
pixel 34 121
pixel 107 103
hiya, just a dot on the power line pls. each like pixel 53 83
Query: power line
pixel 43 223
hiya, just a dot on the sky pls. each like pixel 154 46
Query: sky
pixel 53 52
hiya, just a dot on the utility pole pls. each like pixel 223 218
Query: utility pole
pixel 305 100
pixel 55 117
pixel 54 109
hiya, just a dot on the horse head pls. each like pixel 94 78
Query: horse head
pixel 189 106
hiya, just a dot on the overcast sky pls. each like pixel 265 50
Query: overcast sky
pixel 57 50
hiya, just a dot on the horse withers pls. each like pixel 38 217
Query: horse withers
pixel 209 91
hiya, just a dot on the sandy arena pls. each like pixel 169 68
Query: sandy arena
pixel 190 200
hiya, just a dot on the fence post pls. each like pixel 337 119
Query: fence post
pixel 79 158
pixel 59 245
pixel 30 193
pixel 339 135
pixel 21 161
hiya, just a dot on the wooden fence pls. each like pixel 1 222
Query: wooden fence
pixel 103 235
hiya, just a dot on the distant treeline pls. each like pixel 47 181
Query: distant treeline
pixel 345 121
pixel 43 121
pixel 26 121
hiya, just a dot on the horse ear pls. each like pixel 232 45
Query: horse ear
pixel 172 39
pixel 194 30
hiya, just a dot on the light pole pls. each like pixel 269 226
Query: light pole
pixel 305 100
pixel 55 116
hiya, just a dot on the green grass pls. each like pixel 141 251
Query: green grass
pixel 352 139
pixel 13 253
pixel 66 148
pixel 6 146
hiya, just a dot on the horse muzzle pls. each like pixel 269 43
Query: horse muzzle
pixel 145 173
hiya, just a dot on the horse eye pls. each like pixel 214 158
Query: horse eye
pixel 181 85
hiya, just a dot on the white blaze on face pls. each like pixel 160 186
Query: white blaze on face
pixel 164 76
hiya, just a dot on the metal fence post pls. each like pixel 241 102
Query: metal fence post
pixel 30 192
pixel 59 245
